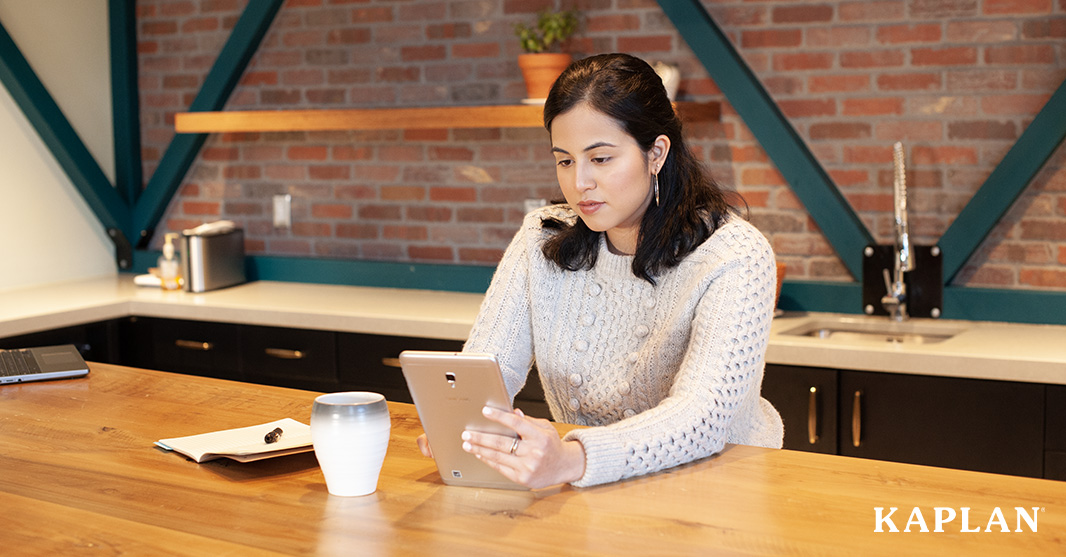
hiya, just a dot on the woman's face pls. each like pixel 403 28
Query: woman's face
pixel 605 175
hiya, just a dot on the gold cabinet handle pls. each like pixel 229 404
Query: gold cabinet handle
pixel 856 420
pixel 391 362
pixel 812 416
pixel 194 345
pixel 284 353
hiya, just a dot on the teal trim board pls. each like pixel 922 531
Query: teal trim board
pixel 218 84
pixel 59 136
pixel 824 203
pixel 125 101
pixel 1009 179
pixel 352 272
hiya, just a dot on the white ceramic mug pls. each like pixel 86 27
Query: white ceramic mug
pixel 350 433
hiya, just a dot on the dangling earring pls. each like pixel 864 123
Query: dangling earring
pixel 656 189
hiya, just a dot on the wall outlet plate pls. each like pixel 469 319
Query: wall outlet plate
pixel 283 211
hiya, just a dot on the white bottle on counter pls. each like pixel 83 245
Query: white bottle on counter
pixel 169 270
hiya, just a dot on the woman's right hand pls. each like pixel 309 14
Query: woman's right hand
pixel 423 445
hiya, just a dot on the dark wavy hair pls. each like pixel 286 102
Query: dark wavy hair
pixel 692 205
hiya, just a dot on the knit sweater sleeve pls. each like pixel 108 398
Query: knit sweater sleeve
pixel 502 326
pixel 714 398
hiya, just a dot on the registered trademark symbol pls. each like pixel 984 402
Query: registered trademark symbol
pixel 1043 510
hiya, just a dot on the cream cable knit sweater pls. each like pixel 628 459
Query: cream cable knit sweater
pixel 668 373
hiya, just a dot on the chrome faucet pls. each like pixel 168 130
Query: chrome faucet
pixel 895 298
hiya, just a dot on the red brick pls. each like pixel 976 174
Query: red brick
pixel 910 130
pixel 773 38
pixel 821 37
pixel 377 14
pixel 1042 229
pixel 757 198
pixel 308 153
pixel 417 134
pixel 849 83
pixel 921 33
pixel 432 253
pixel 612 22
pixel 1033 254
pixel 990 275
pixel 443 193
pixel 806 108
pixel 981 31
pixel 944 56
pixel 285 172
pixel 871 59
pixel 1045 28
pixel 253 78
pixel 834 130
pixel 351 153
pixel 331 211
pixel 381 212
pixel 1019 105
pixel 982 80
pixel 1020 54
pixel 355 192
pixel 943 155
pixel 200 24
pixel 476 50
pixel 982 130
pixel 866 10
pixel 942 9
pixel 799 61
pixel 357 230
pixel 1012 7
pixel 350 36
pixel 909 82
pixel 846 178
pixel 403 232
pixel 245 209
pixel 159 28
pixel 403 193
pixel 220 154
pixel 242 172
pixel 378 172
pixel 316 229
pixel 806 13
pixel 429 213
pixel 873 106
pixel 1062 255
pixel 862 154
pixel 480 214
pixel 650 43
pixel 480 255
pixel 423 53
pixel 201 207
pixel 1043 278
pixel 877 202
pixel 762 176
pixel 399 153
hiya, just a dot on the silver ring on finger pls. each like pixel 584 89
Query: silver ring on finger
pixel 514 446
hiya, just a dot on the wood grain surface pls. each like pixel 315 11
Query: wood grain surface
pixel 80 475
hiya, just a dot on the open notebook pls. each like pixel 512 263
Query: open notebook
pixel 244 444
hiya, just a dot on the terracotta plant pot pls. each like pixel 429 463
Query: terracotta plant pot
pixel 541 70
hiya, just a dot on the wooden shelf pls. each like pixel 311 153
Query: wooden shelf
pixel 491 116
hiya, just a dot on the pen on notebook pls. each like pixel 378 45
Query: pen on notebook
pixel 273 436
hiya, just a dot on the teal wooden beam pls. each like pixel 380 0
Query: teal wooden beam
pixel 219 83
pixel 125 101
pixel 1010 177
pixel 59 136
pixel 812 185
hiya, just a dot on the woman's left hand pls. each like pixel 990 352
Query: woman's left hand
pixel 539 459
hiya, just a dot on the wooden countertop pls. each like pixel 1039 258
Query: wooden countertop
pixel 985 350
pixel 80 474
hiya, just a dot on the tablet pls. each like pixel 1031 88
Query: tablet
pixel 449 390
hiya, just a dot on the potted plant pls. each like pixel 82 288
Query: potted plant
pixel 541 62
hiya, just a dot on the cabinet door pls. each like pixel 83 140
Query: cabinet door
pixel 97 342
pixel 970 424
pixel 191 347
pixel 1055 433
pixel 295 358
pixel 806 397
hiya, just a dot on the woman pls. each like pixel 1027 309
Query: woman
pixel 645 300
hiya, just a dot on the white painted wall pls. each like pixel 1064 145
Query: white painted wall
pixel 48 234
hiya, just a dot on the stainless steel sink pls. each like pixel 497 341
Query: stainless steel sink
pixel 875 330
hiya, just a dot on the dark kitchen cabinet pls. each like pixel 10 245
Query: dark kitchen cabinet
pixel 1055 433
pixel 97 342
pixel 192 347
pixel 806 397
pixel 296 358
pixel 970 424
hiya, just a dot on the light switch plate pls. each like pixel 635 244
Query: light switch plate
pixel 283 211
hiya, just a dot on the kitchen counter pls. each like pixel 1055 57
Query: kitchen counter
pixel 81 475
pixel 983 350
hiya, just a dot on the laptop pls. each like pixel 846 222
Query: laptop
pixel 41 363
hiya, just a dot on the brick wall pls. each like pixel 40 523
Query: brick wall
pixel 956 80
